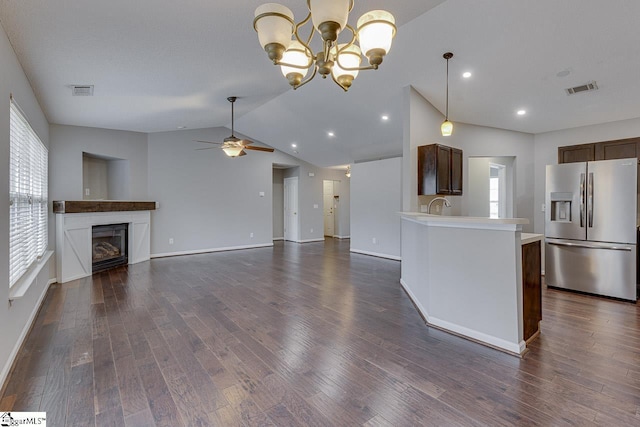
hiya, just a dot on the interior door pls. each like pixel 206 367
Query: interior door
pixel 611 200
pixel 329 208
pixel 291 220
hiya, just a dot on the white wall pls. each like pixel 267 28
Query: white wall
pixel 546 151
pixel 376 199
pixel 15 319
pixel 69 142
pixel 208 201
pixel 477 194
pixel 422 126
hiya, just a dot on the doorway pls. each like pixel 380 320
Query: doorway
pixel 291 221
pixel 330 199
pixel 491 187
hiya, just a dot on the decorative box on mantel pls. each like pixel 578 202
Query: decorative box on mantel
pixel 75 220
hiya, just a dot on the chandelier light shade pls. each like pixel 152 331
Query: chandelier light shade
pixel 447 127
pixel 279 36
pixel 376 30
pixel 350 57
pixel 274 24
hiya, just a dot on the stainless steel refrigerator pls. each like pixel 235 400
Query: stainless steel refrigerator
pixel 590 227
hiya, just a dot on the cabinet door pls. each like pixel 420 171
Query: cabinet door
pixel 456 171
pixel 577 153
pixel 622 149
pixel 443 177
pixel 531 289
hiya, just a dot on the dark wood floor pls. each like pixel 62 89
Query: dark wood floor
pixel 308 335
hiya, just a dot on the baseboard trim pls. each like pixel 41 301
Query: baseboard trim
pixel 341 237
pixel 513 349
pixel 277 238
pixel 8 367
pixel 204 251
pixel 376 254
pixel 310 240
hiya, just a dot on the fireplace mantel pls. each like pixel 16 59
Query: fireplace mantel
pixel 86 206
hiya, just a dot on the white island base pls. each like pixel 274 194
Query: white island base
pixel 464 275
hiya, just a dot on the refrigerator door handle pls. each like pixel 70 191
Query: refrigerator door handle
pixel 590 200
pixel 582 177
pixel 577 245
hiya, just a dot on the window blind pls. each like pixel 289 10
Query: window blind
pixel 28 164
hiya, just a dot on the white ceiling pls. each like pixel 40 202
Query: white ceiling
pixel 158 64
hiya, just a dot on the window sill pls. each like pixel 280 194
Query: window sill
pixel 19 289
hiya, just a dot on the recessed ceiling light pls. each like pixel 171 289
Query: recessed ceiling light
pixel 385 118
pixel 331 134
pixel 182 127
pixel 521 112
pixel 294 145
pixel 466 74
pixel 564 73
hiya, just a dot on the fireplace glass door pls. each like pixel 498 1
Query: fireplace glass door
pixel 109 247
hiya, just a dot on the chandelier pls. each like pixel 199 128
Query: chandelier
pixel 280 37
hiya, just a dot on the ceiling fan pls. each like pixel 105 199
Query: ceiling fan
pixel 233 146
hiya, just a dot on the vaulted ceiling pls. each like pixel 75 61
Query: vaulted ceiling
pixel 159 65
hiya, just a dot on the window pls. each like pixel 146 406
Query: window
pixel 28 160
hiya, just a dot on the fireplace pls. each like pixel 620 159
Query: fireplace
pixel 109 246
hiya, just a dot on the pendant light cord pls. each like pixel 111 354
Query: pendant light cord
pixel 447 108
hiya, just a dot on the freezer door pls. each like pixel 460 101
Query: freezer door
pixel 612 200
pixel 597 268
pixel 565 203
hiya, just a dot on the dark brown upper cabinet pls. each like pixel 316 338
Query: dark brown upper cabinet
pixel 605 150
pixel 439 170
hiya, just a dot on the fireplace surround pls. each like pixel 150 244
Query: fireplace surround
pixel 74 247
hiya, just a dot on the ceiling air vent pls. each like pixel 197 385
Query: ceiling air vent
pixel 582 88
pixel 82 90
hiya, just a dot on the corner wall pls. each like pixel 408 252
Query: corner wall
pixel 375 204
pixel 422 126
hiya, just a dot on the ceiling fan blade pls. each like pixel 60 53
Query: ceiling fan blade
pixel 270 150
pixel 242 153
pixel 206 148
pixel 210 142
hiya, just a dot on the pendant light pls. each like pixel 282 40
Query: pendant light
pixel 447 126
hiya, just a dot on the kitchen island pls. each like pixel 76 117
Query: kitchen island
pixel 465 276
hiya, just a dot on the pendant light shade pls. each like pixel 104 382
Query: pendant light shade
pixel 447 127
pixel 232 151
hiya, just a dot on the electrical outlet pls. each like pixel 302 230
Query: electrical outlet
pixel 374 241
pixel 171 240
pixel 261 194
pixel 315 206
pixel 543 207
pixel 87 191
pixel 312 230
pixel 251 235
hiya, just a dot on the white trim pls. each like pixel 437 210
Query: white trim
pixel 275 239
pixel 23 335
pixel 479 337
pixel 19 289
pixel 341 237
pixel 376 254
pixel 309 240
pixel 203 251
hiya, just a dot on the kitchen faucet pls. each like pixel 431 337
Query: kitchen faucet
pixel 446 202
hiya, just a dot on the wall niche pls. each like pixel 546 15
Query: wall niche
pixel 105 178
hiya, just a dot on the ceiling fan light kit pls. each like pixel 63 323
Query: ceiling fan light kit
pixel 232 145
pixel 278 34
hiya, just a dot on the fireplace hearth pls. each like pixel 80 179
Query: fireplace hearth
pixel 109 246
